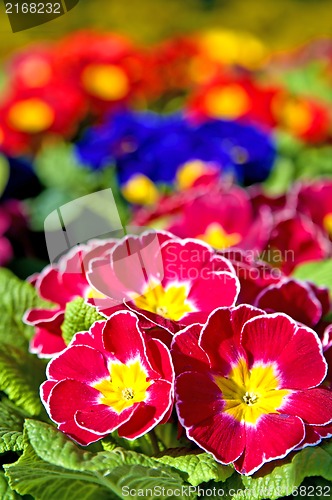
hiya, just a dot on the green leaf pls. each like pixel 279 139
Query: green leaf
pixel 141 445
pixel 16 297
pixel 4 173
pixel 6 493
pixel 54 447
pixel 11 427
pixel 300 79
pixel 200 467
pixel 21 374
pixel 276 481
pixel 318 272
pixel 31 475
pixel 314 163
pixel 281 177
pixel 53 467
pixel 74 178
pixel 42 205
pixel 79 317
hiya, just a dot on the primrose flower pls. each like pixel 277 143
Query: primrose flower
pixel 170 283
pixel 61 283
pixel 107 68
pixel 301 300
pixel 254 274
pixel 112 377
pixel 296 239
pixel 247 385
pixel 234 98
pixel 210 217
pixel 33 112
pixel 304 118
pixel 315 201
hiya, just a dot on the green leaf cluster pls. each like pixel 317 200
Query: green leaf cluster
pixel 79 317
pixel 296 161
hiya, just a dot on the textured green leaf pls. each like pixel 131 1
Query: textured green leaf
pixel 16 297
pixel 53 467
pixel 276 481
pixel 319 272
pixel 43 481
pixel 6 493
pixel 11 427
pixel 21 374
pixel 78 318
pixel 54 447
pixel 144 444
pixel 200 467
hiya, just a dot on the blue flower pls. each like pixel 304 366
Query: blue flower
pixel 156 146
pixel 251 150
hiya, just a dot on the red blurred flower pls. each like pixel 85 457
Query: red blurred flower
pixel 315 201
pixel 107 68
pixel 304 118
pixel 28 114
pixel 234 98
pixel 295 239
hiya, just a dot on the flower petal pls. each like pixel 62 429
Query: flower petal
pixel 200 410
pixel 150 412
pixel 296 350
pixel 122 337
pixel 187 355
pixel 313 406
pixel 273 436
pixel 78 362
pixel 67 397
pixel 103 419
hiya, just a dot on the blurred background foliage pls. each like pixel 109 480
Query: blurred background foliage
pixel 280 23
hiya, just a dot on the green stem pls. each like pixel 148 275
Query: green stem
pixel 154 442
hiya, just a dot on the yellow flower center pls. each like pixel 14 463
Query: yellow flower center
pixel 327 223
pixel 31 116
pixel 231 47
pixel 105 81
pixel 249 394
pixel 189 172
pixel 170 302
pixel 227 102
pixel 126 386
pixel 140 190
pixel 217 237
pixel 296 116
pixel 92 293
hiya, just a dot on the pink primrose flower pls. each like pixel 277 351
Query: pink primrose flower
pixel 60 283
pixel 110 378
pixel 247 385
pixel 171 284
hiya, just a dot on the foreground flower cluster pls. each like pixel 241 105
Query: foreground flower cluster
pixel 176 329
